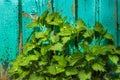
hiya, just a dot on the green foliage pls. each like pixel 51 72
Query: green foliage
pixel 47 57
pixel 84 75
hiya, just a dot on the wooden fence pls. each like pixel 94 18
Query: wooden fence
pixel 13 30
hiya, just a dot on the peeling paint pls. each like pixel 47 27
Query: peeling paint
pixel 20 43
pixel 73 9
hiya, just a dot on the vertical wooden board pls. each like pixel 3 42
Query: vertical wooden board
pixel 107 15
pixel 42 6
pixel 119 22
pixel 8 31
pixel 29 7
pixel 66 8
pixel 86 11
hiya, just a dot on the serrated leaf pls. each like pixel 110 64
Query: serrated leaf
pixel 98 27
pixel 109 36
pixel 114 58
pixel 61 60
pixel 41 40
pixel 39 35
pixel 55 39
pixel 84 75
pixel 89 57
pixel 65 25
pixel 37 53
pixel 57 47
pixel 74 59
pixel 28 47
pixel 65 39
pixel 35 77
pixel 98 67
pixel 44 50
pixel 79 29
pixel 80 23
pixel 27 60
pixel 55 69
pixel 117 52
pixel 23 75
pixel 97 50
pixel 49 18
pixel 70 71
pixel 65 32
pixel 32 57
pixel 88 33
pixel 118 69
pixel 33 24
pixel 43 16
pixel 42 63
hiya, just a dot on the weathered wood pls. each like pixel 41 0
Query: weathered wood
pixel 20 25
pixel 8 31
pixel 66 8
pixel 87 12
pixel 118 22
pixel 105 11
pixel 107 15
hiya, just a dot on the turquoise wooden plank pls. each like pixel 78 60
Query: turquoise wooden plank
pixel 107 15
pixel 8 31
pixel 119 22
pixel 30 7
pixel 86 11
pixel 66 8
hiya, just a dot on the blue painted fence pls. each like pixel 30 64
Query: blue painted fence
pixel 11 38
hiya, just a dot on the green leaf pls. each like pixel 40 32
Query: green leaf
pixel 98 27
pixel 50 17
pixel 61 60
pixel 97 50
pixel 33 24
pixel 23 75
pixel 73 59
pixel 118 69
pixel 55 69
pixel 79 29
pixel 35 77
pixel 42 63
pixel 43 16
pixel 88 33
pixel 41 40
pixel 89 57
pixel 98 67
pixel 84 75
pixel 117 52
pixel 80 23
pixel 65 39
pixel 57 47
pixel 65 32
pixel 55 39
pixel 39 35
pixel 109 36
pixel 37 53
pixel 44 50
pixel 28 47
pixel 71 71
pixel 32 57
pixel 65 25
pixel 27 60
pixel 114 58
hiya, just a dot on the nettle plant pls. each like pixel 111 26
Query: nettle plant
pixel 46 55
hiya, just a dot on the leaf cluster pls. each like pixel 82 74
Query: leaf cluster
pixel 46 55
